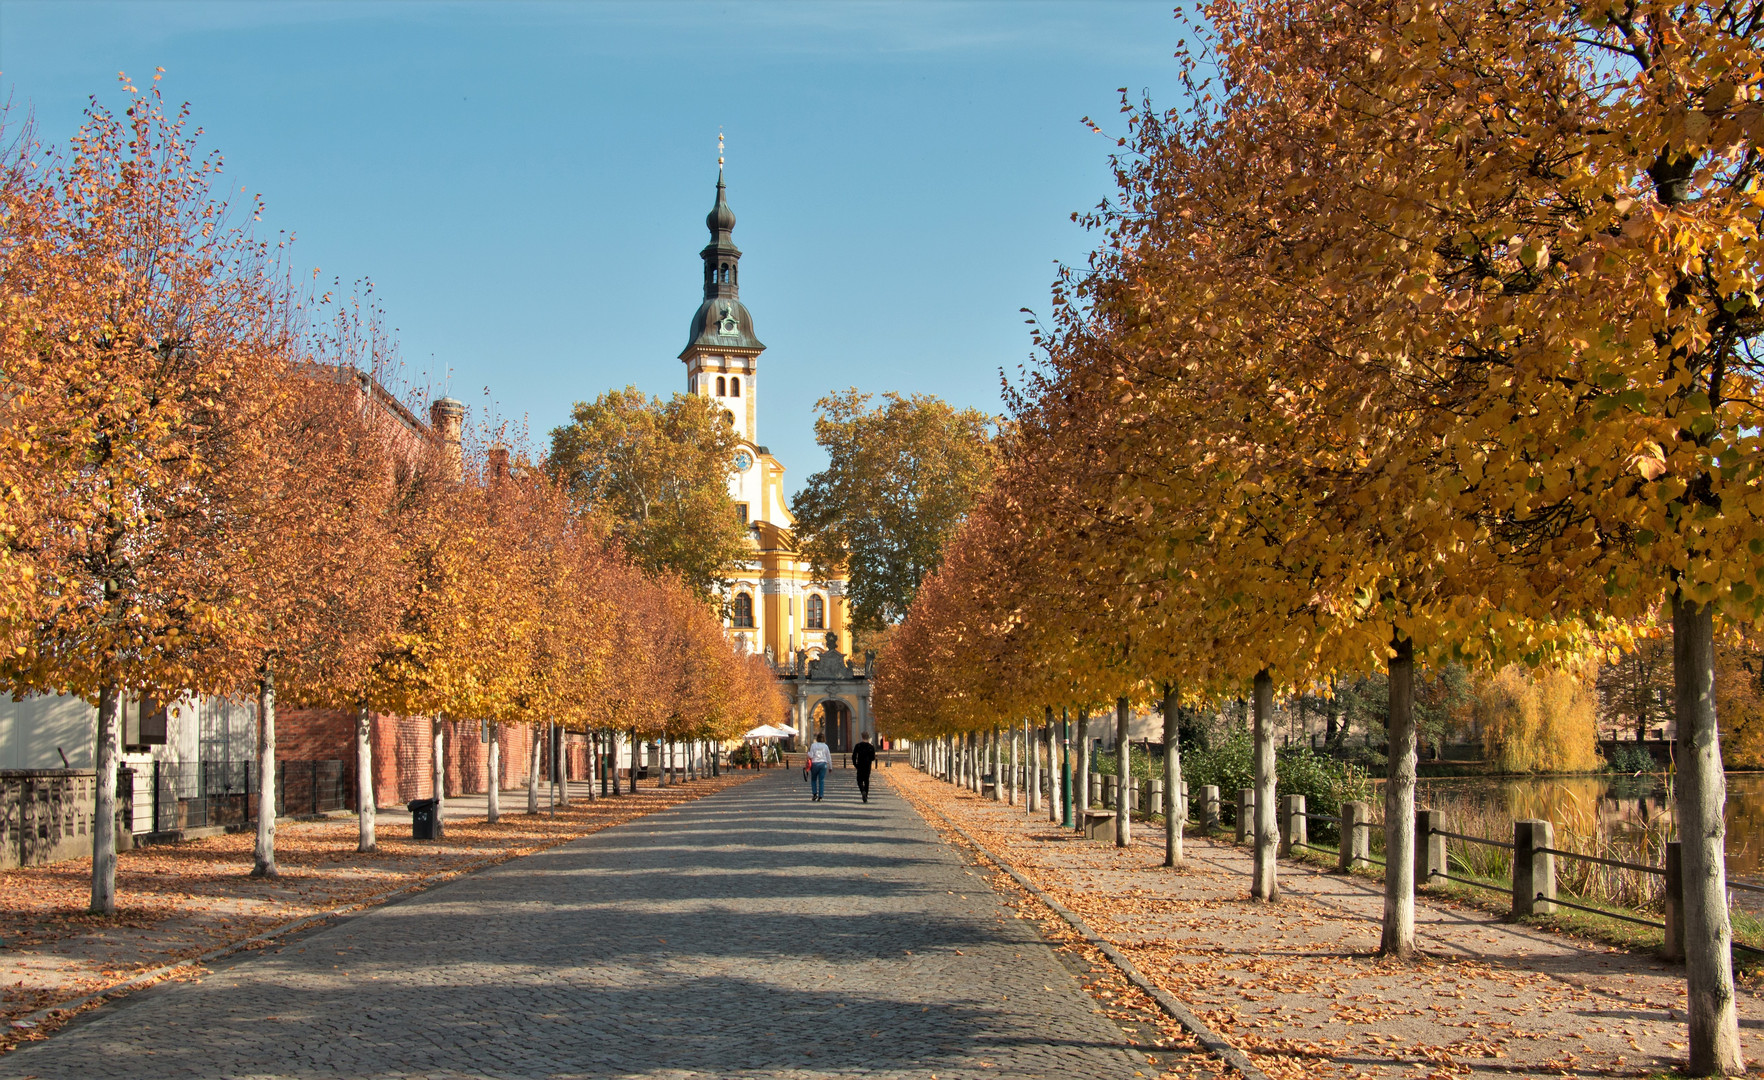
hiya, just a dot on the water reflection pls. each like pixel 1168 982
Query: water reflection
pixel 1620 807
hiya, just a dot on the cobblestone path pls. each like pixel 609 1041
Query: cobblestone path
pixel 750 933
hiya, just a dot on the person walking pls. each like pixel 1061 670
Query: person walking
pixel 863 755
pixel 819 757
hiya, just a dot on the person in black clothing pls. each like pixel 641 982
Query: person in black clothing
pixel 863 755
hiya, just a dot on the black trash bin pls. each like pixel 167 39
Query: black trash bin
pixel 423 823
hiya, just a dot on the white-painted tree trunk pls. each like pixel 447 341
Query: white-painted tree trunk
pixel 1702 832
pixel 534 757
pixel 551 767
pixel 1016 765
pixel 1032 799
pixel 1263 883
pixel 493 792
pixel 1398 937
pixel 998 765
pixel 264 853
pixel 438 733
pixel 1123 776
pixel 104 760
pixel 1174 808
pixel 562 764
pixel 1081 770
pixel 365 796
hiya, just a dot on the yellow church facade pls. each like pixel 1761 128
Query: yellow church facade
pixel 775 605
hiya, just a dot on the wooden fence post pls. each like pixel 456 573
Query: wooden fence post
pixel 1534 870
pixel 1430 847
pixel 1246 812
pixel 1674 946
pixel 1356 835
pixel 1210 807
pixel 1294 819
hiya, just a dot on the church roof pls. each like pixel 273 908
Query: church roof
pixel 722 321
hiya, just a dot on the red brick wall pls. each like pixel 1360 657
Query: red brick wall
pixel 403 751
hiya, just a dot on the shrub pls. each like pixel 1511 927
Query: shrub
pixel 1324 782
pixel 1629 758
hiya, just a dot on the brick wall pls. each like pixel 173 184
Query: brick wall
pixel 403 751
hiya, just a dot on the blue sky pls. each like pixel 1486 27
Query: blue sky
pixel 526 183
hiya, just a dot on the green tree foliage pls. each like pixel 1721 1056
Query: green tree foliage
pixel 657 473
pixel 900 477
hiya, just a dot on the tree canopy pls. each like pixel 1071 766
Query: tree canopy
pixel 657 473
pixel 900 478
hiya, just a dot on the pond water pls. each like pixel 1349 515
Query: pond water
pixel 1619 807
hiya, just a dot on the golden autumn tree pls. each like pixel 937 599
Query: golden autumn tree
pixel 160 332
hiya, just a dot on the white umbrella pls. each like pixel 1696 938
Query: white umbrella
pixel 767 731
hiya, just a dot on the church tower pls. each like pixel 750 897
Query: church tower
pixel 721 353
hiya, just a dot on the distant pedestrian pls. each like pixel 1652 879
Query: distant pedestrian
pixel 863 755
pixel 819 757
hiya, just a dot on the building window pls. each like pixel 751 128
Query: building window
pixel 144 725
pixel 817 613
pixel 743 611
pixel 741 512
pixel 725 273
pixel 735 386
pixel 721 390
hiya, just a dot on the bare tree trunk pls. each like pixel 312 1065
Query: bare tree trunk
pixel 1016 765
pixel 493 793
pixel 563 765
pixel 1175 810
pixel 533 760
pixel 438 733
pixel 612 742
pixel 998 765
pixel 1055 790
pixel 1081 781
pixel 1263 885
pixel 1123 776
pixel 1702 799
pixel 110 703
pixel 551 767
pixel 1032 784
pixel 636 747
pixel 366 798
pixel 265 853
pixel 1399 807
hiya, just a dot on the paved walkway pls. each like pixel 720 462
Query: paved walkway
pixel 1296 984
pixel 749 933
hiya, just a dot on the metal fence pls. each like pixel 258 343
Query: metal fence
pixel 171 796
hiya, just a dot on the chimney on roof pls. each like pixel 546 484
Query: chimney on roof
pixel 498 462
pixel 446 417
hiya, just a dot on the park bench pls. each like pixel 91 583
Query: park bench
pixel 1099 825
pixel 988 783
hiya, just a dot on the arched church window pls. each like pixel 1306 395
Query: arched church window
pixel 743 611
pixel 817 613
pixel 735 386
pixel 721 389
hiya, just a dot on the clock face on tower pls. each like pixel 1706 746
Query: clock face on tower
pixel 743 461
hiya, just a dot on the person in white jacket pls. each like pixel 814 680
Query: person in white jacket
pixel 820 757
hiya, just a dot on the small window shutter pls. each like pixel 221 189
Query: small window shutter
pixel 153 723
pixel 131 718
